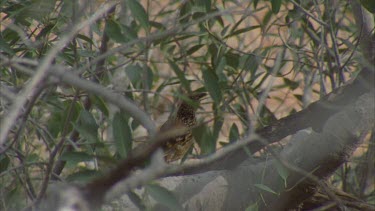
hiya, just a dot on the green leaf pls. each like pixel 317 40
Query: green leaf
pixel 212 85
pixel 100 104
pixel 202 6
pixel 76 157
pixel 150 76
pixel 232 60
pixel 240 31
pixel 129 33
pixel 369 5
pixel 255 2
pixel 184 82
pixel 122 134
pixel 253 207
pixel 266 20
pixel 87 126
pixel 218 124
pixel 163 196
pixel 134 72
pixel 82 176
pixel 234 134
pixel 33 157
pixel 219 70
pixel 113 30
pixel 276 4
pixel 283 172
pixel 85 38
pixel 5 47
pixel 4 162
pixel 205 139
pixel 139 13
pixel 194 49
pixel 265 188
pixel 291 84
pixel 249 63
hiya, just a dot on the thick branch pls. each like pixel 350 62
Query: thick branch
pixel 315 116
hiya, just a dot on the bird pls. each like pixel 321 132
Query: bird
pixel 185 117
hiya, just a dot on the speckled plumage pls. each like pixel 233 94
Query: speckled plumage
pixel 176 148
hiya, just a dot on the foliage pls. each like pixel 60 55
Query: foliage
pixel 251 57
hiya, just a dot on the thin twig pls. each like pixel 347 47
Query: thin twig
pixel 41 73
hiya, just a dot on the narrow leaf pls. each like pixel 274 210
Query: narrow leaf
pixel 276 4
pixel 233 133
pixel 265 188
pixel 184 82
pixel 212 85
pixel 122 134
pixel 76 157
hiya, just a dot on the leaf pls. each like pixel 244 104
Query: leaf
pixel 249 63
pixel 150 76
pixel 194 49
pixel 4 162
pixel 265 188
pixel 100 104
pixel 240 31
pixel 76 157
pixel 113 31
pixel 276 4
pixel 5 47
pixel 232 60
pixel 234 134
pixel 83 176
pixel 33 157
pixel 129 33
pixel 282 171
pixel 134 72
pixel 255 2
pixel 163 196
pixel 157 25
pixel 85 38
pixel 219 70
pixel 184 82
pixel 139 13
pixel 207 143
pixel 291 84
pixel 87 126
pixel 212 85
pixel 122 134
pixel 253 207
pixel 369 5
